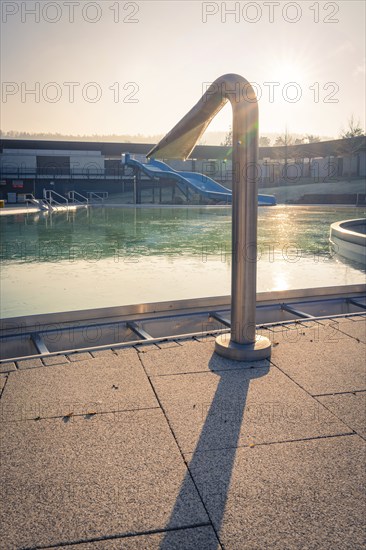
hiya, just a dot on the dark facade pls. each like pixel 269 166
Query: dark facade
pixel 30 166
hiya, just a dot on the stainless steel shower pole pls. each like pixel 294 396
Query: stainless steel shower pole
pixel 242 343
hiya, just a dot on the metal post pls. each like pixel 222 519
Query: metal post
pixel 134 190
pixel 242 344
pixel 138 188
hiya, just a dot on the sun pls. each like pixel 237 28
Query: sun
pixel 287 71
pixel 288 65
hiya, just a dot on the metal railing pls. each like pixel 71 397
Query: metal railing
pixel 97 196
pixel 29 197
pixel 41 204
pixel 72 196
pixel 49 197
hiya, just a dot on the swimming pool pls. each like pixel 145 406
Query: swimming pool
pixel 100 257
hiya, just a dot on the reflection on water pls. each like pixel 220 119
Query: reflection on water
pixel 125 232
pixel 111 256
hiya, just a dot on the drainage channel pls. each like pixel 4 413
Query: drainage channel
pixel 43 341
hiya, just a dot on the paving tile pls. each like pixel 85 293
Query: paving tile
pixel 205 338
pixel 191 356
pixel 314 330
pixel 284 328
pixel 307 323
pixel 55 360
pixel 213 410
pixel 80 356
pixel 30 363
pixel 3 379
pixel 196 538
pixel 146 348
pixel 355 318
pixel 124 350
pixel 295 325
pixel 100 477
pixel 349 407
pixel 361 317
pixel 307 494
pixel 168 344
pixel 355 329
pixel 98 385
pixel 7 367
pixel 321 359
pixel 103 353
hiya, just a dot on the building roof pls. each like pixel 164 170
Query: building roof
pixel 320 149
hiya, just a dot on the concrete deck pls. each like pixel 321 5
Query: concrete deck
pixel 13 209
pixel 173 447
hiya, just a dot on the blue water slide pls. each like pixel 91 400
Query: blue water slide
pixel 197 183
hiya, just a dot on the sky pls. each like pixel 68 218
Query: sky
pixel 115 67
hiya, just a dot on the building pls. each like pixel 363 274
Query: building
pixel 30 166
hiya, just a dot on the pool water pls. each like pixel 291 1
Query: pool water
pixel 101 257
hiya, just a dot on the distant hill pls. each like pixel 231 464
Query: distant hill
pixel 111 138
pixel 209 138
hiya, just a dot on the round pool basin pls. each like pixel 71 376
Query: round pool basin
pixel 348 239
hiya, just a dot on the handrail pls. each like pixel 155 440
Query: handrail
pixel 71 196
pixel 43 204
pixel 243 342
pixel 48 196
pixel 99 195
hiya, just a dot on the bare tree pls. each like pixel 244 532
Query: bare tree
pixel 310 138
pixel 353 129
pixel 284 140
pixel 264 141
pixel 310 153
pixel 353 142
pixel 228 140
